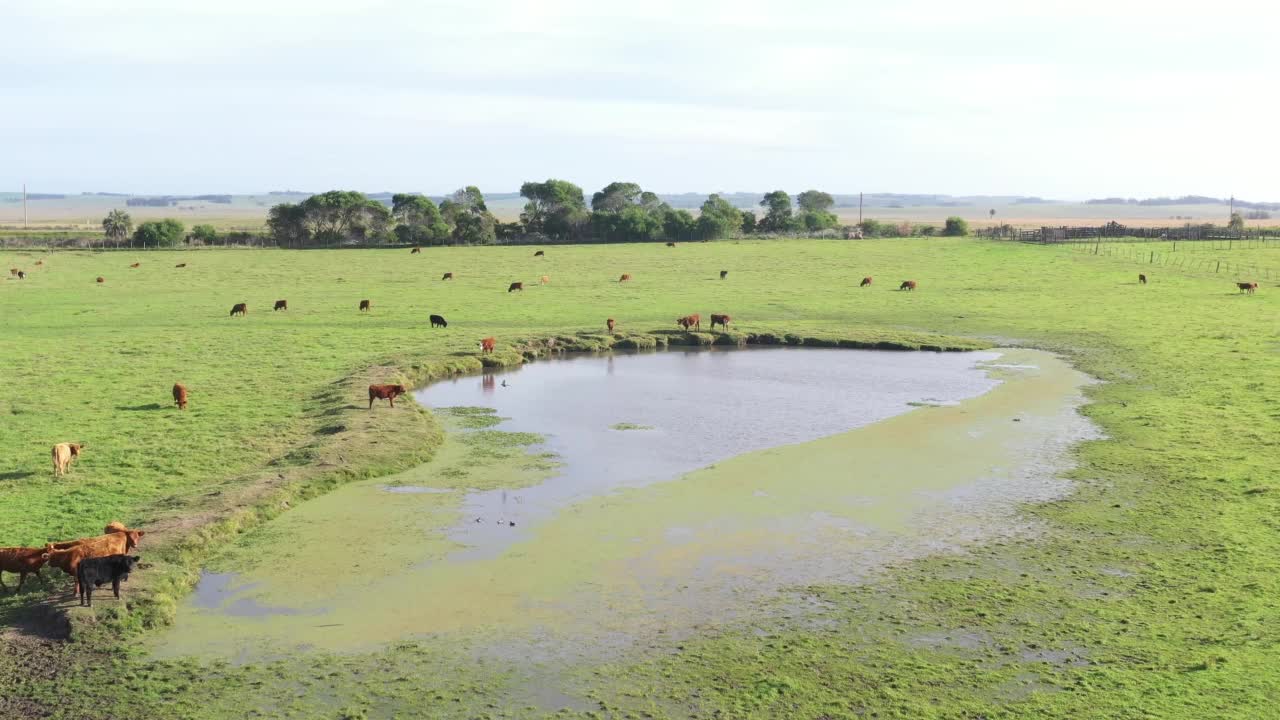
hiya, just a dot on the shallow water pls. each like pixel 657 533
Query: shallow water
pixel 696 407
pixel 749 482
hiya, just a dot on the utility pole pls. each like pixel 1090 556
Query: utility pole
pixel 859 209
pixel 24 206
pixel 1233 208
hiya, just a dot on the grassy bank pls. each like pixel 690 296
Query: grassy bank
pixel 1149 596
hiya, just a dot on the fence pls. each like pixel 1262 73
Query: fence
pixel 1184 262
pixel 1115 232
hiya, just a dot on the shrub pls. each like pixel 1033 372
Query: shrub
pixel 955 227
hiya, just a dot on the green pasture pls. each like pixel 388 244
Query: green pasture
pixel 1153 593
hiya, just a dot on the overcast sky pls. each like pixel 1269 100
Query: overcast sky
pixel 1071 100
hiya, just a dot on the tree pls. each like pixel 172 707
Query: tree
pixel 815 201
pixel 1236 223
pixel 777 215
pixel 955 227
pixel 469 219
pixel 555 207
pixel 346 215
pixel 992 213
pixel 419 220
pixel 719 218
pixel 678 224
pixel 748 222
pixel 117 225
pixel 206 234
pixel 287 223
pixel 623 211
pixel 160 233
pixel 615 196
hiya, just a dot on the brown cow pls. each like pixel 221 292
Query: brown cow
pixel 1248 287
pixel 241 309
pixel 625 277
pixel 13 271
pixel 486 345
pixel 722 320
pixel 63 454
pixel 1142 279
pixel 365 305
pixel 610 324
pixel 101 279
pixel 23 561
pixel 385 392
pixel 516 286
pixel 180 265
pixel 545 279
pixel 447 276
pixel 39 263
pixel 724 274
pixel 907 285
pixel 180 395
pixel 539 254
pixel 136 265
pixel 67 556
pixel 281 305
pixel 690 321
pixel 865 281
pixel 415 251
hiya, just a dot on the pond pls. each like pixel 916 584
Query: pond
pixel 667 492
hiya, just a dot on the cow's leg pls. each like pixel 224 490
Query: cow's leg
pixel 370 402
pixel 115 587
pixel 392 400
pixel 22 577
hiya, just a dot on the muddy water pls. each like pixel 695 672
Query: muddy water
pixel 748 482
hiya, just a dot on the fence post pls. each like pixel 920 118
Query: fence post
pixel 1219 268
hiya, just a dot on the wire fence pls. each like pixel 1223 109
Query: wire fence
pixel 1190 263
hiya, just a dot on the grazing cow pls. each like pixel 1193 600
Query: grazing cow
pixel 690 321
pixel 180 265
pixel 241 309
pixel 39 263
pixel 1142 279
pixel 625 277
pixel 722 320
pixel 516 286
pixel 438 321
pixel 907 285
pixel 486 345
pixel 865 281
pixel 21 560
pixel 281 305
pixel 671 244
pixel 13 271
pixel 415 251
pixel 67 556
pixel 610 324
pixel 22 275
pixel 136 265
pixel 724 274
pixel 365 305
pixel 539 254
pixel 385 392
pixel 1248 287
pixel 447 276
pixel 63 454
pixel 101 279
pixel 545 279
pixel 180 395
pixel 94 572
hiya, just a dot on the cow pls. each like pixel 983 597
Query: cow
pixel 180 395
pixel 447 276
pixel 365 306
pixel 281 305
pixel 13 272
pixel 545 279
pixel 539 254
pixel 722 320
pixel 907 285
pixel 39 263
pixel 67 556
pixel 516 286
pixel 22 275
pixel 690 321
pixel 610 324
pixel 438 321
pixel 865 281
pixel 180 265
pixel 101 279
pixel 385 392
pixel 94 572
pixel 1142 279
pixel 240 309
pixel 63 454
pixel 625 277
pixel 415 251
pixel 136 265
pixel 671 244
pixel 1248 287
pixel 724 274
pixel 22 561
pixel 486 345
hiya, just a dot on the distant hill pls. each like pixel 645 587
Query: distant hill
pixel 1185 200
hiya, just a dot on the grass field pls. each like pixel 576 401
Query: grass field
pixel 1154 594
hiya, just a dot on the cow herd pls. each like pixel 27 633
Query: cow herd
pixel 92 562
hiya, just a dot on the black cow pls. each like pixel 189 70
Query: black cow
pixel 438 321
pixel 93 572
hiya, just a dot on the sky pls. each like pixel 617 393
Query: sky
pixel 1067 100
